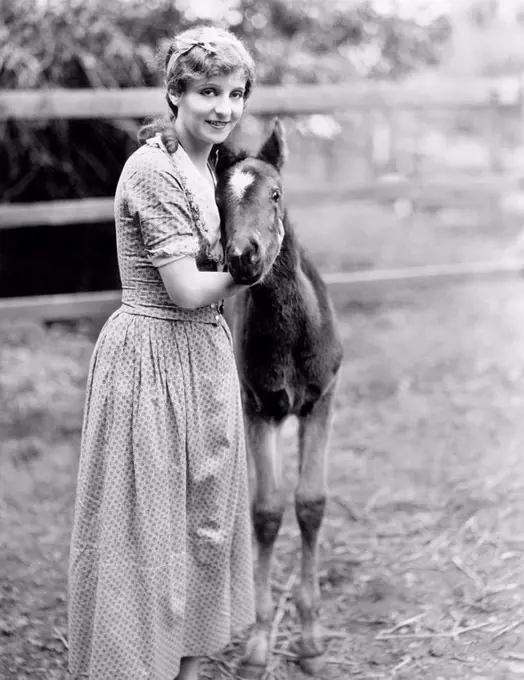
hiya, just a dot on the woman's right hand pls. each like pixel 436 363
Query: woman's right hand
pixel 191 288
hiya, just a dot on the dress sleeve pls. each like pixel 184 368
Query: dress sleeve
pixel 157 199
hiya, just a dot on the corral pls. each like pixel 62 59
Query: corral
pixel 421 556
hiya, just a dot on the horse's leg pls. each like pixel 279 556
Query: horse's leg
pixel 267 511
pixel 310 501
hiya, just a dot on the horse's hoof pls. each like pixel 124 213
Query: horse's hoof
pixel 249 671
pixel 312 665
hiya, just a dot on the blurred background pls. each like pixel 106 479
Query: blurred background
pixel 405 181
pixel 422 111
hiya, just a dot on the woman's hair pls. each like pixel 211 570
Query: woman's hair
pixel 199 52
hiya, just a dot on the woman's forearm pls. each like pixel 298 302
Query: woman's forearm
pixel 189 287
pixel 210 287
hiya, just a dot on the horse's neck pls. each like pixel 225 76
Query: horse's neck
pixel 280 287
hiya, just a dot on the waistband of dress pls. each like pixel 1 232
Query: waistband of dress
pixel 208 314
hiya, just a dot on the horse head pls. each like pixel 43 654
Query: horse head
pixel 249 196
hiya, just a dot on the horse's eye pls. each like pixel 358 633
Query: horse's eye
pixel 275 195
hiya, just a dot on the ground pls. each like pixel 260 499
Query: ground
pixel 421 552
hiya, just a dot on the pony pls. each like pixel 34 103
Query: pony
pixel 289 353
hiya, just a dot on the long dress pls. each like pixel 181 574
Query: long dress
pixel 160 561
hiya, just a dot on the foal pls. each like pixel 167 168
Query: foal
pixel 289 354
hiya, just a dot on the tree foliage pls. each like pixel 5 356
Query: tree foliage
pixel 311 41
pixel 76 44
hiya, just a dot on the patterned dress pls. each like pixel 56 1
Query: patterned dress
pixel 160 563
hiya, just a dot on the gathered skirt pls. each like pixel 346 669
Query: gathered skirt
pixel 160 562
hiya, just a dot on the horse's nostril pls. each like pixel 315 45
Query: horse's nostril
pixel 234 253
pixel 244 257
pixel 244 263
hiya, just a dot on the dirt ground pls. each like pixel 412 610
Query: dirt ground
pixel 422 549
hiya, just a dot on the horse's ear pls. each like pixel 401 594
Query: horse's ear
pixel 225 157
pixel 274 149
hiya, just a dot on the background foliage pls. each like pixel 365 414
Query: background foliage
pixel 113 43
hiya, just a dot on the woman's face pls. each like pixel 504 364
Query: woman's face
pixel 209 109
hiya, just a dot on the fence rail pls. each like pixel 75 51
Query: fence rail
pixel 282 100
pixel 50 308
pixel 460 192
pixel 482 96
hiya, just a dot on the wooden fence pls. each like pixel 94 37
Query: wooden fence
pixel 479 97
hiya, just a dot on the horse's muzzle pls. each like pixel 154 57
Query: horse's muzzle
pixel 245 266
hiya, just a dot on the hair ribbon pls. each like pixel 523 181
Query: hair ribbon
pixel 189 44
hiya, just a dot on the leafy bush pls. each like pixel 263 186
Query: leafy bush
pixel 100 43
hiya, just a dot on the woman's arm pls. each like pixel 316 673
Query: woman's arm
pixel 188 287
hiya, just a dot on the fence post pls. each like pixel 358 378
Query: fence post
pixel 521 106
pixel 495 156
pixel 368 122
pixel 330 151
pixel 382 140
pixel 495 161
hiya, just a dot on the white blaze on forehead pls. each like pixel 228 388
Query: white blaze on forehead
pixel 240 180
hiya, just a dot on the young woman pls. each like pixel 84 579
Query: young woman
pixel 160 566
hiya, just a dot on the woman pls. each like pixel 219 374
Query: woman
pixel 160 566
